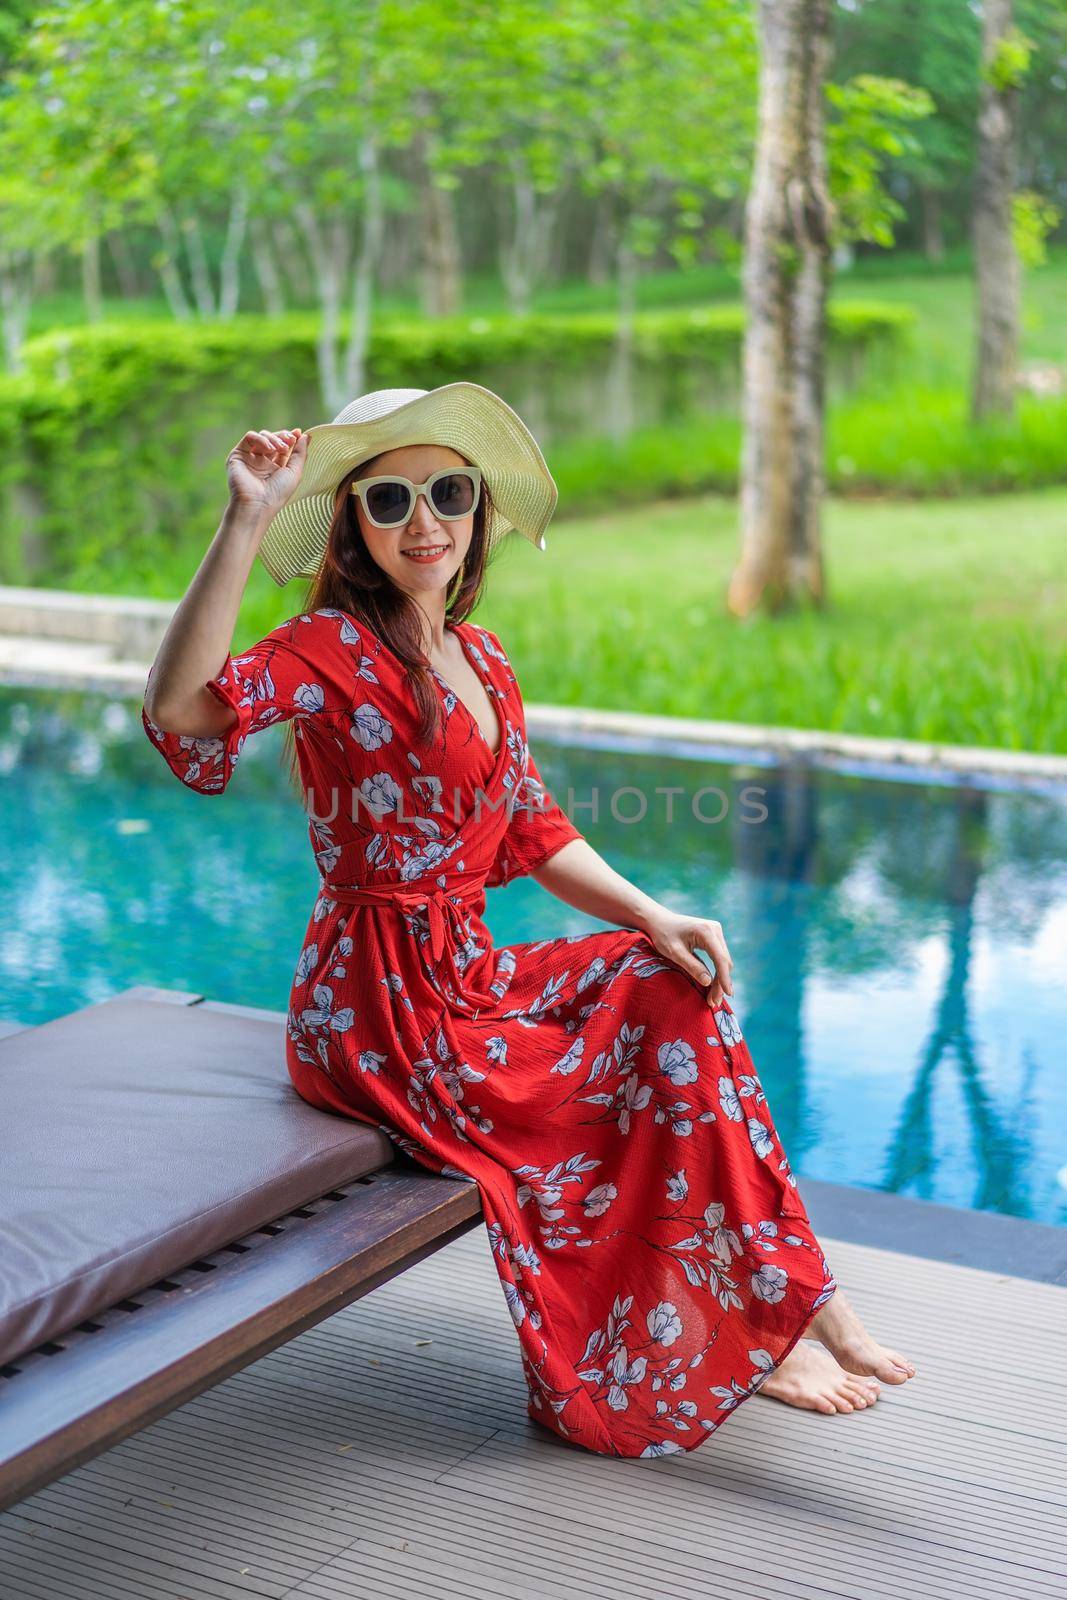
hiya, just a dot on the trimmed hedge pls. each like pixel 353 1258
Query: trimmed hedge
pixel 115 436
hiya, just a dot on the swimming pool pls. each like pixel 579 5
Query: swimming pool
pixel 900 947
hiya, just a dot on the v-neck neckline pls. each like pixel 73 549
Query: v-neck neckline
pixel 490 691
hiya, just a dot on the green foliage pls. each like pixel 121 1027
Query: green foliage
pixel 867 130
pixel 1010 61
pixel 117 433
pixel 908 442
pixel 936 45
pixel 1033 218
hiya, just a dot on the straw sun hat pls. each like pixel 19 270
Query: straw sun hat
pixel 465 416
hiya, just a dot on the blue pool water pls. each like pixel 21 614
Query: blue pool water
pixel 900 947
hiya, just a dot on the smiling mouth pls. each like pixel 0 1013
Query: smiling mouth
pixel 423 552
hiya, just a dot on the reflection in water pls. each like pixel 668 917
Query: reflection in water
pixel 899 947
pixel 1000 1150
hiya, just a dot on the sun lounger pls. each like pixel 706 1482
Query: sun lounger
pixel 171 1210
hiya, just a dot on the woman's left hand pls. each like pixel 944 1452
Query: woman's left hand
pixel 678 937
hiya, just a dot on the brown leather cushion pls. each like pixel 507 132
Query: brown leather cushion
pixel 139 1135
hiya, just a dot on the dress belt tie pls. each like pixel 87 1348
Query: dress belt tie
pixel 444 911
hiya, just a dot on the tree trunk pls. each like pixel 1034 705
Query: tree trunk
pixel 329 249
pixel 932 224
pixel 400 247
pixel 620 399
pixel 441 269
pixel 786 276
pixel 90 264
pixel 600 239
pixel 199 272
pixel 363 278
pixel 125 267
pixel 525 238
pixel 996 264
pixel 230 266
pixel 16 302
pixel 265 267
pixel 512 228
pixel 293 252
pixel 167 265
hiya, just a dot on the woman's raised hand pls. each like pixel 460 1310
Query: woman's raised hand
pixel 264 468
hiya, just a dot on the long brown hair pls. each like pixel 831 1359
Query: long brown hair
pixel 351 580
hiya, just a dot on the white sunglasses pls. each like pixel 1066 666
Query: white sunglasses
pixel 389 500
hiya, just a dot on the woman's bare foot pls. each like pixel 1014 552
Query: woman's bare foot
pixel 810 1378
pixel 838 1327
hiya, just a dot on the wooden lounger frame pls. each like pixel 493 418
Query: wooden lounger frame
pixel 74 1397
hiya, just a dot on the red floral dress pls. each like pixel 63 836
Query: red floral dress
pixel 650 1240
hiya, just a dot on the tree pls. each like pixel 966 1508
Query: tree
pixel 788 244
pixel 663 121
pixel 818 183
pixel 1005 57
pixel 931 45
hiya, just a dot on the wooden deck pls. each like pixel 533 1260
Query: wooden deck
pixel 358 1461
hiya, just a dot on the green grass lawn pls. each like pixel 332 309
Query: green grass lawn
pixel 947 620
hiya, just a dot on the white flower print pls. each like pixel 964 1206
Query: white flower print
pixel 678 1186
pixel 572 1059
pixel 368 727
pixel 514 1302
pixel 677 1060
pixel 310 697
pixel 547 1189
pixel 335 968
pixel 664 1323
pixel 309 959
pixel 759 1134
pixel 505 971
pixel 381 794
pixel 729 1398
pixel 748 1085
pixel 769 1283
pixel 624 1372
pixel 635 1097
pixel 427 858
pixel 325 845
pixel 394 982
pixel 729 1027
pixel 599 1199
pixel 763 1236
pixel 729 1101
pixel 526 1257
pixel 322 1013
pixel 594 973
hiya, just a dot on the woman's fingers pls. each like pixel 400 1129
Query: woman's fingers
pixel 687 941
pixel 686 958
pixel 267 442
pixel 711 939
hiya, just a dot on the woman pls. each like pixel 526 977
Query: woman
pixel 653 1248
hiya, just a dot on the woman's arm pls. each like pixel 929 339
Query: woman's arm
pixel 579 875
pixel 263 469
